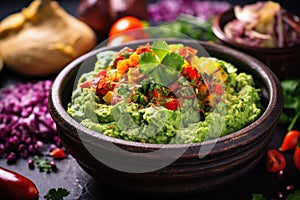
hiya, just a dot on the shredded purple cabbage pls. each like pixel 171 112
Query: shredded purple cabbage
pixel 25 122
pixel 168 10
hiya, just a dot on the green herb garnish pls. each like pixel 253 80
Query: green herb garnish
pixel 58 194
pixel 161 65
pixel 291 111
pixel 43 164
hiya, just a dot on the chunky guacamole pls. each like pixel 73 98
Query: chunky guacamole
pixel 164 93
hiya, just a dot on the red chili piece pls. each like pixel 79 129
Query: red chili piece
pixel 296 157
pixel 14 186
pixel 290 140
pixel 58 153
pixel 275 161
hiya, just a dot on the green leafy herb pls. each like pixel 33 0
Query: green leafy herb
pixel 161 65
pixel 160 48
pixel 43 164
pixel 58 194
pixel 258 197
pixel 174 61
pixel 187 25
pixel 291 110
pixel 294 196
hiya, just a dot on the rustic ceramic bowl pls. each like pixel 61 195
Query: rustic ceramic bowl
pixel 231 157
pixel 284 62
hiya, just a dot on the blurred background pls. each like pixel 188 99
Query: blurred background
pixel 6 7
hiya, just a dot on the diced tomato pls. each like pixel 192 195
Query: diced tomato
pixel 296 157
pixel 86 84
pixel 103 88
pixel 290 140
pixel 190 72
pixel 143 49
pixel 155 93
pixel 102 73
pixel 218 89
pixel 172 104
pixel 275 161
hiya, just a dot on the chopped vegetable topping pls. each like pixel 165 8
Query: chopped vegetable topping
pixel 164 93
pixel 25 122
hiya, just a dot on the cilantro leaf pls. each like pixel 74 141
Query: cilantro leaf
pixel 163 75
pixel 160 48
pixel 294 196
pixel 174 61
pixel 291 110
pixel 58 194
pixel 147 58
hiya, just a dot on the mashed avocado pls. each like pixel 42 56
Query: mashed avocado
pixel 162 94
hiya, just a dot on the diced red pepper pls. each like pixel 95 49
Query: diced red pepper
pixel 190 72
pixel 58 153
pixel 172 104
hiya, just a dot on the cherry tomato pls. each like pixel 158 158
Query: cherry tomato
pixel 120 39
pixel 290 140
pixel 125 24
pixel 296 157
pixel 275 161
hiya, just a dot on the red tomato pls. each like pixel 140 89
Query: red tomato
pixel 296 157
pixel 190 72
pixel 172 105
pixel 120 39
pixel 290 140
pixel 125 24
pixel 275 161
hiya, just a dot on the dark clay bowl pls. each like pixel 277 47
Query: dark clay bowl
pixel 284 62
pixel 231 157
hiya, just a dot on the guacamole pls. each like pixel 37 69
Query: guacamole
pixel 164 93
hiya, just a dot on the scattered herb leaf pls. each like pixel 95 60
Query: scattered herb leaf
pixel 43 164
pixel 58 194
pixel 257 197
pixel 291 111
pixel 294 196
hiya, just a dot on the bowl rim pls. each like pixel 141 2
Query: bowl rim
pixel 220 34
pixel 274 88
